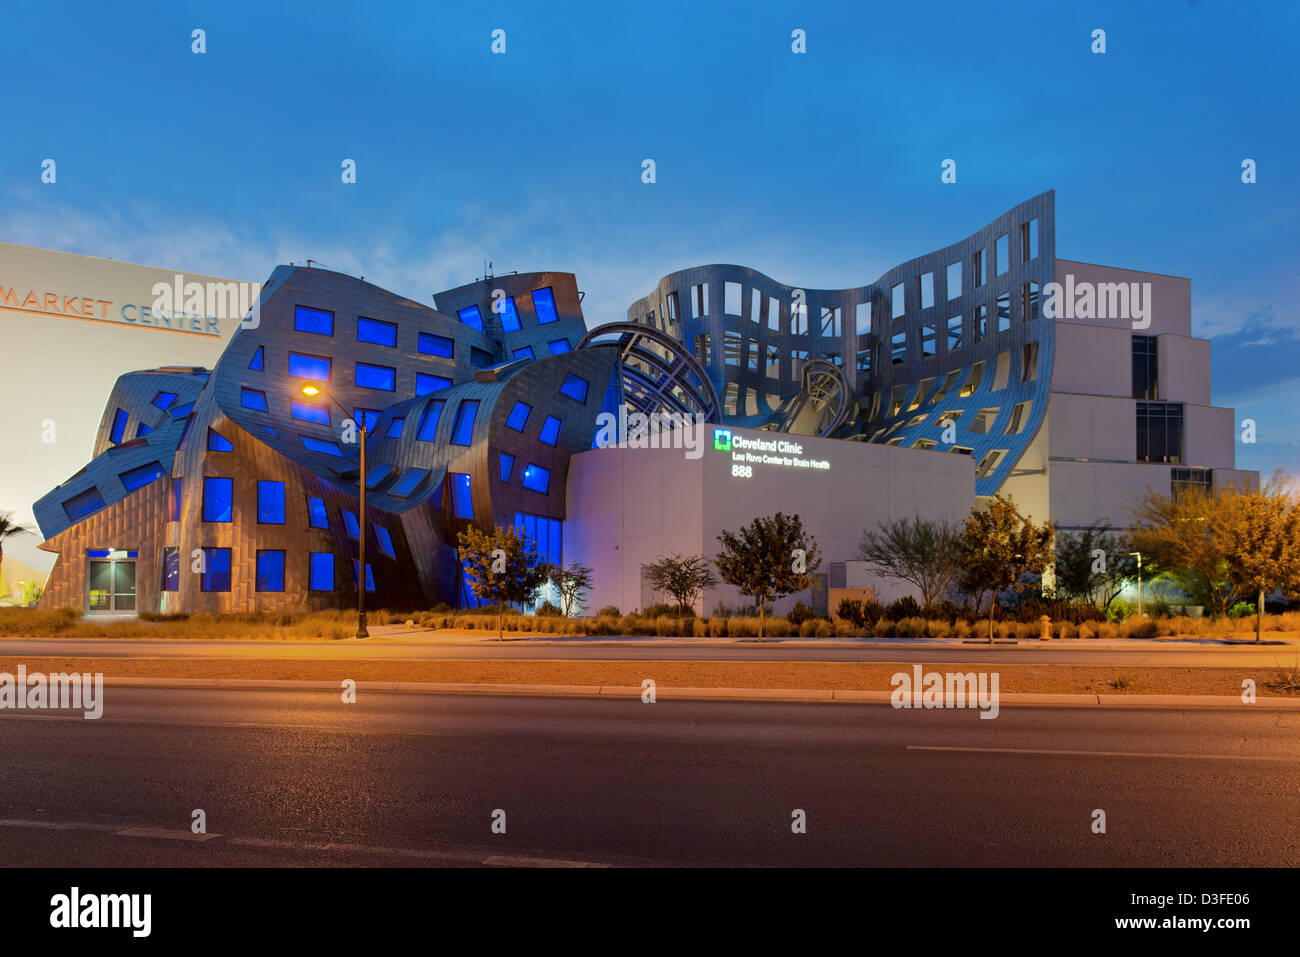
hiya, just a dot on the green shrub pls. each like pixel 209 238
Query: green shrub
pixel 1242 609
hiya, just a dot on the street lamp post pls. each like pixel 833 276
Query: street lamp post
pixel 1139 558
pixel 314 388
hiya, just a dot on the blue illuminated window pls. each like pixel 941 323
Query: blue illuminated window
pixel 471 318
pixel 525 352
pixel 431 344
pixel 316 445
pixel 408 482
pixel 218 442
pixel 304 366
pixel 558 346
pixel 142 476
pixel 316 517
pixel 463 433
pixel 171 568
pixel 252 399
pixel 318 321
pixel 118 431
pixel 425 383
pixel 164 399
pixel 429 424
pixel 366 418
pixel 550 430
pixel 377 473
pixel 537 478
pixel 142 430
pixel 377 331
pixel 479 358
pixel 509 315
pixel 270 503
pixel 507 466
pixel 385 541
pixel 544 306
pixel 574 387
pixel 182 410
pixel 218 499
pixel 309 412
pixel 547 534
pixel 270 570
pixel 256 363
pixel 216 570
pixel 518 418
pixel 350 523
pixel 178 489
pixel 395 428
pixel 376 377
pixel 320 571
pixel 271 432
pixel 98 552
pixel 370 574
pixel 462 504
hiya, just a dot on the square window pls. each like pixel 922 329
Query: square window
pixel 317 321
pixel 544 306
pixel 462 502
pixel 376 377
pixel 537 478
pixel 270 503
pixel 216 570
pixel 320 576
pixel 509 314
pixel 575 388
pixel 316 517
pixel 430 344
pixel 463 432
pixel 518 418
pixel 559 346
pixel 377 331
pixel 550 430
pixel 252 399
pixel 426 383
pixel 270 570
pixel 218 499
pixel 471 317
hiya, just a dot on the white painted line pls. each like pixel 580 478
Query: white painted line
pixel 1290 759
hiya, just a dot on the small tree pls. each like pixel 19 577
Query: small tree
pixel 1092 565
pixel 1176 534
pixel 684 577
pixel 1261 531
pixel 571 582
pixel 768 559
pixel 998 547
pixel 8 529
pixel 918 550
pixel 501 566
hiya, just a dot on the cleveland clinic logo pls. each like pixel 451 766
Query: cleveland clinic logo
pixel 722 440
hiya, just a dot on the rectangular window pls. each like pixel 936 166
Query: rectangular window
pixel 518 417
pixel 377 331
pixel 270 503
pixel 163 399
pixel 1004 311
pixel 430 344
pixel 559 346
pixel 118 432
pixel 218 442
pixel 731 348
pixel 471 317
pixel 862 322
pixel 1001 371
pixel 506 466
pixel 1019 417
pixel 218 499
pixel 171 568
pixel 982 424
pixel 320 571
pixel 178 488
pixel 702 348
pixel 370 574
pixel 509 315
pixel 977 269
pixel 216 570
pixel 376 377
pixel 270 570
pixel 751 360
pixel 462 499
pixel 316 517
pixel 954 333
pixel 731 298
pixel 832 325
pixel 385 541
pixel 755 306
pixel 426 383
pixel 524 352
pixel 927 341
pixel 141 476
pixel 309 412
pixel 252 399
pixel 408 482
pixel 544 306
pixel 1188 481
pixel 954 280
pixel 1160 432
pixel 1002 254
pixel 972 381
pixel 142 430
pixel 1030 301
pixel 898 348
pixel 317 445
pixel 773 362
pixel 989 463
pixel 550 433
pixel 537 478
pixel 864 360
pixel 798 318
pixel 1145 365
pixel 1029 362
pixel 897 303
pixel 574 387
pixel 316 321
pixel 429 424
pixel 1029 240
pixel 699 300
pixel 981 322
pixel 927 290
pixel 463 432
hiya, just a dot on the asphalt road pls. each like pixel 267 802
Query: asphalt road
pixel 1030 652
pixel 291 777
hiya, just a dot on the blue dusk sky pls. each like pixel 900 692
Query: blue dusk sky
pixel 821 170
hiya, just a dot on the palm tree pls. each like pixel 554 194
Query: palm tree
pixel 8 529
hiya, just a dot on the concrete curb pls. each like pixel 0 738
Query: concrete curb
pixel 707 694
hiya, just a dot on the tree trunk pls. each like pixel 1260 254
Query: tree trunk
pixel 760 622
pixel 1259 616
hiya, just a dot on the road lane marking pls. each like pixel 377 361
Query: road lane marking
pixel 1052 752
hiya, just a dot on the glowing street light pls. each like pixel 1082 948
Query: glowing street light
pixel 313 389
pixel 1139 558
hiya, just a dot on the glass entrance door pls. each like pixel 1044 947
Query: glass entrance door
pixel 110 585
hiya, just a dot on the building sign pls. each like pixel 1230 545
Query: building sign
pixel 748 454
pixel 45 303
